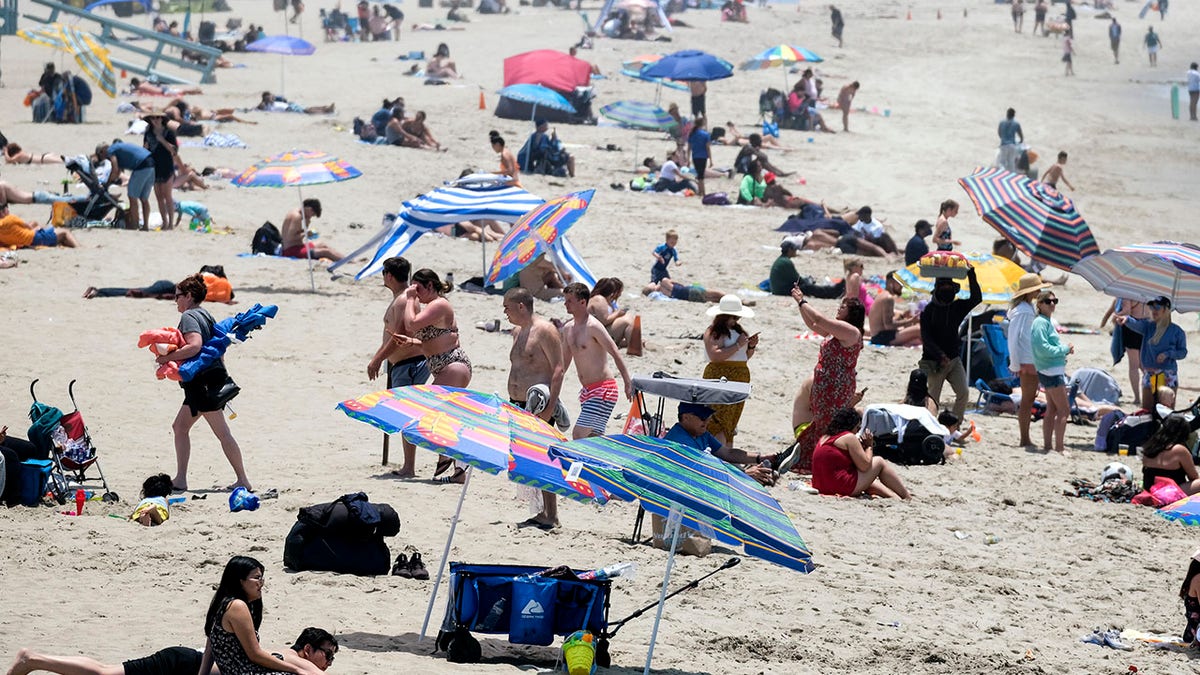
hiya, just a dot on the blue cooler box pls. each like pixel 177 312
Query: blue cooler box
pixel 34 477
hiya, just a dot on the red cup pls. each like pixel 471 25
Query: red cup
pixel 80 498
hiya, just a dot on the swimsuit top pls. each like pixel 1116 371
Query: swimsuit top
pixel 433 332
pixel 1149 474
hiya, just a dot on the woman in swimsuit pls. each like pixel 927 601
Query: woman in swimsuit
pixel 232 623
pixel 1166 454
pixel 1190 593
pixel 508 161
pixel 431 317
pixel 440 66
pixel 13 154
pixel 941 231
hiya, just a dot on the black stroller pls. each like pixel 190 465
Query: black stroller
pixel 65 439
pixel 97 204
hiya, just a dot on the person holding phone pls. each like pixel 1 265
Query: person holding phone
pixel 729 347
pixel 844 463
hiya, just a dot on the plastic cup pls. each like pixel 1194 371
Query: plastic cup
pixel 579 656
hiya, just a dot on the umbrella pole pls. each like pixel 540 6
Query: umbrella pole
pixel 307 250
pixel 446 552
pixel 662 598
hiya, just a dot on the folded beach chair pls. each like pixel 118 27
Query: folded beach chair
pixel 997 347
pixel 65 438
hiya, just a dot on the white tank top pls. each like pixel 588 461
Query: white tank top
pixel 739 355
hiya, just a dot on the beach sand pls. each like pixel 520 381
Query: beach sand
pixel 103 587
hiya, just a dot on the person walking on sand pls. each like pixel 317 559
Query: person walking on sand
pixel 1153 43
pixel 537 361
pixel 1193 89
pixel 1039 17
pixel 407 364
pixel 1018 15
pixel 1010 136
pixel 1055 173
pixel 1068 56
pixel 845 100
pixel 1114 39
pixel 838 24
pixel 589 345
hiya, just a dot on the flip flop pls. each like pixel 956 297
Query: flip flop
pixel 443 464
pixel 458 477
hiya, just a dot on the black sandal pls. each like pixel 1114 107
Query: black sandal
pixel 443 464
pixel 458 477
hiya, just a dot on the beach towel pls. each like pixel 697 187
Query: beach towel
pixel 216 140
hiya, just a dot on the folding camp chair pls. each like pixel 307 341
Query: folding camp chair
pixel 996 341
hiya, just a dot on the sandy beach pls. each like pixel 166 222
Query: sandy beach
pixel 894 590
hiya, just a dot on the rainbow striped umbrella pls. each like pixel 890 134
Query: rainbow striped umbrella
pixel 296 168
pixel 1147 271
pixel 1035 217
pixel 535 233
pixel 710 494
pixel 781 55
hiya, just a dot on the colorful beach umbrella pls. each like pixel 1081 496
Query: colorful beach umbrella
pixel 780 55
pixel 691 488
pixel 639 115
pixel 1147 271
pixel 535 233
pixel 1186 510
pixel 297 168
pixel 1038 219
pixel 537 95
pixel 87 50
pixel 481 430
pixel 997 278
pixel 690 65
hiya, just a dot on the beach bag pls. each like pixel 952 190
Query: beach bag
pixel 267 240
pixel 344 536
pixel 716 199
pixel 533 602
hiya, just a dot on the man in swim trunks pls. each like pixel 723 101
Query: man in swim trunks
pixel 406 363
pixel 888 326
pixel 312 654
pixel 296 225
pixel 692 431
pixel 537 359
pixel 589 345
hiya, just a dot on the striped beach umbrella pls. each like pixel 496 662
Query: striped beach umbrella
pixel 1038 219
pixel 1186 510
pixel 296 168
pixel 87 50
pixel 639 115
pixel 1146 271
pixel 780 55
pixel 535 234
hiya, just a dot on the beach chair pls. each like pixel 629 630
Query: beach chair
pixel 65 439
pixel 996 342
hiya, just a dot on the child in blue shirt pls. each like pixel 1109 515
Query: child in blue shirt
pixel 663 255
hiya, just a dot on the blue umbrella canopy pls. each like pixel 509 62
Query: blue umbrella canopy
pixel 639 115
pixel 282 44
pixel 690 65
pixel 537 95
pixel 710 493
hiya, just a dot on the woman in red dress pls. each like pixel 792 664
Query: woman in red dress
pixel 832 383
pixel 844 465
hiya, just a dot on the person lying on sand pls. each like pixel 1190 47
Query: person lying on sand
pixel 16 233
pixel 489 230
pixel 139 88
pixel 272 103
pixel 13 154
pixel 680 290
pixel 729 135
pixel 217 284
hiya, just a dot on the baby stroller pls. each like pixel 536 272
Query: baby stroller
pixel 65 439
pixel 98 202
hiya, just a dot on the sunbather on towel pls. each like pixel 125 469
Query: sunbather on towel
pixel 679 290
pixel 140 88
pixel 272 103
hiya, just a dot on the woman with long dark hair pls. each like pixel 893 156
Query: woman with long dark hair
pixel 917 392
pixel 729 347
pixel 232 623
pixel 835 376
pixel 844 464
pixel 1166 454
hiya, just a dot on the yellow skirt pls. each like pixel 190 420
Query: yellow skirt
pixel 725 420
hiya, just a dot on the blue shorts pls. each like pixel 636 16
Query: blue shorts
pixel 45 237
pixel 1052 381
pixel 141 181
pixel 408 372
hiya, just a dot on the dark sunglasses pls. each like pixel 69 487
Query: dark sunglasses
pixel 328 654
pixel 1050 301
pixel 179 295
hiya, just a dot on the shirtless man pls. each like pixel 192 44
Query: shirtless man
pixel 888 326
pixel 537 359
pixel 1055 173
pixel 312 654
pixel 295 226
pixel 586 341
pixel 406 363
pixel 846 101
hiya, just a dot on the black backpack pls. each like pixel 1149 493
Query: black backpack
pixel 267 240
pixel 918 448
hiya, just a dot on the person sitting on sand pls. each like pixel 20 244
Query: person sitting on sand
pixel 873 231
pixel 395 133
pixel 843 463
pixel 296 225
pixel 13 154
pixel 139 88
pixel 753 151
pixel 692 431
pixel 679 290
pixel 541 278
pixel 508 161
pixel 670 176
pixel 1166 455
pixel 440 66
pixel 603 305
pixel 272 103
pixel 312 653
pixel 753 188
pixel 16 233
pixel 891 327
pixel 415 129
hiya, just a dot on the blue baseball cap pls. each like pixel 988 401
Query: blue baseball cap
pixel 698 409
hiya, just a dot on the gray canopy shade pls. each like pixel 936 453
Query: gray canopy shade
pixel 708 392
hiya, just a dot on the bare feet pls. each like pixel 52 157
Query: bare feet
pixel 90 293
pixel 21 665
pixel 237 484
pixel 403 472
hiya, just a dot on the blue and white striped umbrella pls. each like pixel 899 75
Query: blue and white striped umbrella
pixel 1146 271
pixel 639 115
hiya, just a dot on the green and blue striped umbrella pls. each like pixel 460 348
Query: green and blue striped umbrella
pixel 710 494
pixel 639 115
pixel 1038 219
pixel 1147 271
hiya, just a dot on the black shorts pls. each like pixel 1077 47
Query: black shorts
pixel 698 105
pixel 884 337
pixel 1131 338
pixel 169 661
pixel 847 243
pixel 200 394
pixel 701 164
